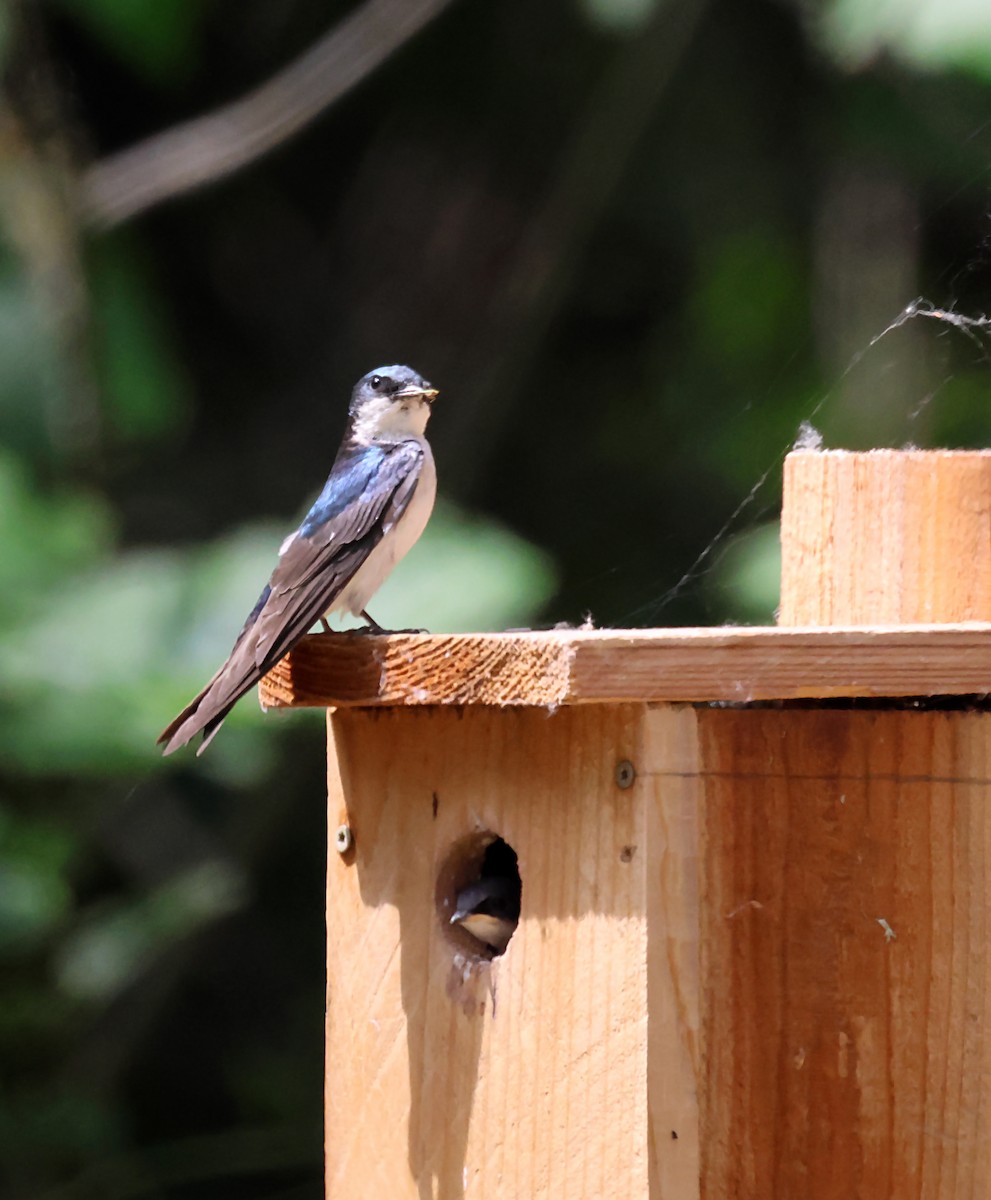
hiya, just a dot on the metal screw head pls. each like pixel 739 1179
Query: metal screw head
pixel 626 772
pixel 343 841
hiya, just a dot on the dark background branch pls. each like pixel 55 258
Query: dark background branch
pixel 206 149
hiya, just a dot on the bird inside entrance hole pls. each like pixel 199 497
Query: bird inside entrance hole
pixel 489 907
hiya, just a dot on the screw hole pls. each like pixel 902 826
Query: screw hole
pixel 626 773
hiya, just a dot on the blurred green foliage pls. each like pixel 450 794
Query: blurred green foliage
pixel 931 35
pixel 143 384
pixel 622 365
pixel 159 42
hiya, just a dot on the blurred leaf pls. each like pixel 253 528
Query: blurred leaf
pixel 931 34
pixel 29 1016
pixel 33 894
pixel 145 390
pixel 44 536
pixel 91 678
pixel 955 414
pixel 5 32
pixel 53 1126
pixel 746 581
pixel 110 950
pixel 619 16
pixel 158 40
pixel 747 296
pixel 29 379
pixel 32 901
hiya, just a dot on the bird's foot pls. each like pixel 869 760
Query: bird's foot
pixel 374 627
pixel 378 631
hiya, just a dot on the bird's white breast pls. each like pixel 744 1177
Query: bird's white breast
pixel 395 545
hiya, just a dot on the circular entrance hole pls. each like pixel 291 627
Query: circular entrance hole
pixel 478 895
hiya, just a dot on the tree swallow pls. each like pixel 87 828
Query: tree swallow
pixel 490 910
pixel 374 505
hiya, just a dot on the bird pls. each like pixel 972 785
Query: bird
pixel 375 504
pixel 489 909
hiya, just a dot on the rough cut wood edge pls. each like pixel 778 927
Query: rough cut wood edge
pixel 662 665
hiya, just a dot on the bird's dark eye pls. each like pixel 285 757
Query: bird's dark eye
pixel 376 382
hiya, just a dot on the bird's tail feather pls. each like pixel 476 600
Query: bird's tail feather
pixel 190 722
pixel 205 712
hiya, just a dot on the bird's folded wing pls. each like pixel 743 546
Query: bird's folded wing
pixel 316 567
pixel 313 569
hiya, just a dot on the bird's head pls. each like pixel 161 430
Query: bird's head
pixel 390 402
pixel 489 909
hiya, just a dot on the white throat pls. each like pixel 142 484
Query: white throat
pixel 389 419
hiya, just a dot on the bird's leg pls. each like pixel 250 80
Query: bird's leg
pixel 326 625
pixel 373 625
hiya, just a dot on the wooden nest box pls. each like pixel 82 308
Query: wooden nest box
pixel 753 958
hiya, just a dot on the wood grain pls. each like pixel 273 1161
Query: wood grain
pixel 797 898
pixel 845 925
pixel 547 669
pixel 886 536
pixel 669 770
pixel 523 1077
